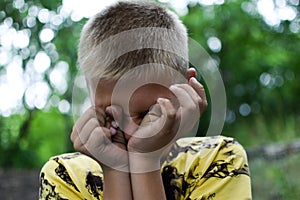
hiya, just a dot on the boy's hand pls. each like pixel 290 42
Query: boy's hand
pixel 164 124
pixel 155 130
pixel 199 89
pixel 92 136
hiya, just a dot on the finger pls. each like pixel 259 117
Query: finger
pixel 105 152
pixel 88 128
pixel 74 134
pixel 158 120
pixel 97 140
pixel 77 144
pixel 119 137
pixel 155 110
pixel 191 92
pixel 116 112
pixel 99 136
pixel 81 138
pixel 153 114
pixel 101 116
pixel 183 97
pixel 189 112
pixel 169 113
pixel 198 87
pixel 87 115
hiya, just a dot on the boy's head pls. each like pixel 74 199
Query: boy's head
pixel 130 53
pixel 129 34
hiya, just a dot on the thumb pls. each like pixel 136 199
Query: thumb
pixel 153 115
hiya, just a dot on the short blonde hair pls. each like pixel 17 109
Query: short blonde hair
pixel 106 48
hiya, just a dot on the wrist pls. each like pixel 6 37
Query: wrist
pixel 111 172
pixel 115 168
pixel 144 162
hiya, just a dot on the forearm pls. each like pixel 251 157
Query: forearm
pixel 146 180
pixel 116 185
pixel 148 186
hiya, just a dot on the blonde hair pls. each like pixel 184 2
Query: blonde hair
pixel 129 34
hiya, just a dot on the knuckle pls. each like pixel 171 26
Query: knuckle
pixel 74 134
pixel 89 113
pixel 76 146
pixel 191 111
pixel 205 103
pixel 98 130
pixel 201 87
pixel 94 122
pixel 171 114
pixel 100 133
pixel 76 129
pixel 72 137
pixel 199 100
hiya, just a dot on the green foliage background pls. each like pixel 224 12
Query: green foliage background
pixel 251 51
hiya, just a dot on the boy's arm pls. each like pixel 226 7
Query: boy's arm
pixel 149 184
pixel 91 136
pixel 116 184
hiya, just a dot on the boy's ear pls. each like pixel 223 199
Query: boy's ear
pixel 191 72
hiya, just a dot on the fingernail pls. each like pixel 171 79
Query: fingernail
pixel 194 79
pixel 172 87
pixel 115 124
pixel 112 131
pixel 160 100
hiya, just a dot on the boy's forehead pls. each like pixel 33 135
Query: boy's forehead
pixel 132 97
pixel 109 86
pixel 119 92
pixel 143 82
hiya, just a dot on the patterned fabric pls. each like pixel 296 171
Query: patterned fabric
pixel 206 168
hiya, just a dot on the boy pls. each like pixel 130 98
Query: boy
pixel 134 57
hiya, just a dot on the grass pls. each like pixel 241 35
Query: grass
pixel 276 180
pixel 259 130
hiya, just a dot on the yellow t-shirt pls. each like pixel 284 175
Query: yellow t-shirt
pixel 204 168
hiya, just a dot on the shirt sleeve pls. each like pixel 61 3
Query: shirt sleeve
pixel 71 176
pixel 213 168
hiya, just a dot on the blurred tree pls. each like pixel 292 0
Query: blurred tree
pixel 258 60
pixel 38 62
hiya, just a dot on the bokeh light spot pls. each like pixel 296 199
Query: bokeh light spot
pixel 245 109
pixel 64 106
pixel 46 35
pixel 36 95
pixel 44 16
pixel 41 62
pixel 214 44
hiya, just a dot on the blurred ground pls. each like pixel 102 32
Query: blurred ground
pixel 19 184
